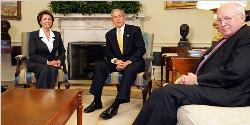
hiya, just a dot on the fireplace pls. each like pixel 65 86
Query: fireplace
pixel 84 36
pixel 82 58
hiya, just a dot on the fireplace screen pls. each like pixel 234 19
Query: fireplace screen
pixel 82 58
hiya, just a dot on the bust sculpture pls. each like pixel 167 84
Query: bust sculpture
pixel 5 36
pixel 184 30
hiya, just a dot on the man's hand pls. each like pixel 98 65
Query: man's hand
pixel 189 79
pixel 120 65
pixel 118 62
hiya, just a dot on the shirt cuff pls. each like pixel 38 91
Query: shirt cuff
pixel 129 62
pixel 196 83
pixel 113 60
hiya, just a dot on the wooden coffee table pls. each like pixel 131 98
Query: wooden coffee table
pixel 40 106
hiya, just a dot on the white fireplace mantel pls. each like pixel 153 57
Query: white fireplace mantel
pixel 78 27
pixel 93 16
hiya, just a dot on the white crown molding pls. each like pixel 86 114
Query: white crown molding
pixel 139 16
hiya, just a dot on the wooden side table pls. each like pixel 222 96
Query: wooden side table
pixel 177 60
pixel 173 51
pixel 183 65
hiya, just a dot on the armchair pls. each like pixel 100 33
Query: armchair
pixel 24 77
pixel 143 79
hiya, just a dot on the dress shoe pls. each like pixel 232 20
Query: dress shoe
pixel 92 107
pixel 109 112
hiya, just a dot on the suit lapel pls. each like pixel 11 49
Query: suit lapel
pixel 125 38
pixel 116 46
pixel 41 43
pixel 229 43
pixel 44 44
pixel 207 52
pixel 54 42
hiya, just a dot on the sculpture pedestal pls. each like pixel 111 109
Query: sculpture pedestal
pixel 184 44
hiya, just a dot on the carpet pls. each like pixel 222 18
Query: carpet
pixel 126 114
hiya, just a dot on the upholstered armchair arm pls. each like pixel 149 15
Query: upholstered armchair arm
pixel 148 68
pixel 19 63
pixel 20 57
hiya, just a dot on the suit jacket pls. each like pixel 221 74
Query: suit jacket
pixel 133 44
pixel 39 52
pixel 229 66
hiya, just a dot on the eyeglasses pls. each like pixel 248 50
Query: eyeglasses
pixel 226 19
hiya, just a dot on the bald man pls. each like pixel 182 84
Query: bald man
pixel 221 78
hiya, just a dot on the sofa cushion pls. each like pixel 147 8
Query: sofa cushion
pixel 213 115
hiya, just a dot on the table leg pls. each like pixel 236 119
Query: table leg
pixel 174 75
pixel 162 64
pixel 167 75
pixel 79 108
pixel 167 68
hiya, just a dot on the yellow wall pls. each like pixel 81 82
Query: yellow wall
pixel 29 11
pixel 164 23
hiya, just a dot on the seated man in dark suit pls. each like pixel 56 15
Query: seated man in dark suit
pixel 124 53
pixel 222 77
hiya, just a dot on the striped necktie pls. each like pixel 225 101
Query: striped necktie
pixel 209 54
pixel 120 40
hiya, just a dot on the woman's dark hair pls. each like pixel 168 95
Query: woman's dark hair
pixel 40 15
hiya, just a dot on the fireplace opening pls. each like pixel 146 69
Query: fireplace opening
pixel 82 58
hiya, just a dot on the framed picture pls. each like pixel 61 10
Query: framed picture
pixel 11 10
pixel 170 4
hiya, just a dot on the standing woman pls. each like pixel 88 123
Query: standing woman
pixel 46 51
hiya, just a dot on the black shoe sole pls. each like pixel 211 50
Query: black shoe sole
pixel 109 117
pixel 93 110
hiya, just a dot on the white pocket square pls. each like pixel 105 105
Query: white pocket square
pixel 127 35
